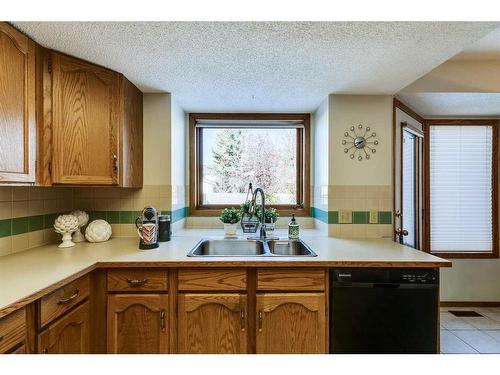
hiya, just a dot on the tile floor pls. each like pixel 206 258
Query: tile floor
pixel 463 335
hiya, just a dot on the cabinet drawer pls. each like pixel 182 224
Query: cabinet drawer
pixel 212 279
pixel 132 280
pixel 63 299
pixel 12 330
pixel 291 279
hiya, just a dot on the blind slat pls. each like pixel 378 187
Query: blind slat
pixel 461 188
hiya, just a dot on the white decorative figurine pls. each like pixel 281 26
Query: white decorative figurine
pixel 66 225
pixel 98 231
pixel 83 219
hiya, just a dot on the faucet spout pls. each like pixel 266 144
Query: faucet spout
pixel 263 211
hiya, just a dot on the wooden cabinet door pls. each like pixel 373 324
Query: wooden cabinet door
pixel 212 323
pixel 85 122
pixel 137 323
pixel 68 335
pixel 291 323
pixel 17 106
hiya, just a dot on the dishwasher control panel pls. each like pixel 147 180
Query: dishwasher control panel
pixel 386 275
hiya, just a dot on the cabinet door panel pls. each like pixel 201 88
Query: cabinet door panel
pixel 85 122
pixel 137 323
pixel 69 335
pixel 291 323
pixel 212 323
pixel 17 106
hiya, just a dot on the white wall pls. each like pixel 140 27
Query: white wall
pixel 370 110
pixel 320 144
pixel 460 76
pixel 178 149
pixel 157 139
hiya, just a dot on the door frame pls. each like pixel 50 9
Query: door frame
pixel 397 159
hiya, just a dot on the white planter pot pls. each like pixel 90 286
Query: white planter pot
pixel 230 230
pixel 269 229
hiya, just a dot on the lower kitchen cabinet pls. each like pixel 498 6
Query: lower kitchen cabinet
pixel 68 335
pixel 291 323
pixel 212 323
pixel 137 323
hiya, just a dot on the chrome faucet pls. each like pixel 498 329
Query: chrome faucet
pixel 262 210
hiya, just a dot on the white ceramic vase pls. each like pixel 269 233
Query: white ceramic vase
pixel 83 219
pixel 230 230
pixel 66 225
pixel 98 231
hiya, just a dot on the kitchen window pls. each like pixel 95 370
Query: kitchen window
pixel 228 151
pixel 462 188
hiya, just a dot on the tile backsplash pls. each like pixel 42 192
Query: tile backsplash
pixel 28 213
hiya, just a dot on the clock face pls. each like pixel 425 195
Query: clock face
pixel 360 142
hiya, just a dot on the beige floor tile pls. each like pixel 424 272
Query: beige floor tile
pixel 479 340
pixel 451 344
pixel 482 322
pixel 5 245
pixel 451 322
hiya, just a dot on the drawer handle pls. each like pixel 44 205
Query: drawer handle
pixel 162 320
pixel 75 294
pixel 243 320
pixel 135 283
pixel 260 320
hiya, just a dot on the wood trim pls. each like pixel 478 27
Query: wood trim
pixel 460 122
pixel 303 161
pixel 406 109
pixel 397 104
pixel 469 303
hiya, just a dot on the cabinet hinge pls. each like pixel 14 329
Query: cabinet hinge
pixel 50 168
pixel 49 65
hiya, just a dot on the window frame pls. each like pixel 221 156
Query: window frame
pixel 494 183
pixel 302 208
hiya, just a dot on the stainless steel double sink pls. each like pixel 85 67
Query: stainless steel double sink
pixel 251 248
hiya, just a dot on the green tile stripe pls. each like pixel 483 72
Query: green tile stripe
pixel 358 217
pixel 20 225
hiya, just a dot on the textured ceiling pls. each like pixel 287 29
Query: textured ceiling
pixel 262 66
pixel 443 104
pixel 487 48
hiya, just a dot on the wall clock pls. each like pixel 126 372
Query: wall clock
pixel 360 142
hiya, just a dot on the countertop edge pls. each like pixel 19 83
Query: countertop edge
pixel 209 263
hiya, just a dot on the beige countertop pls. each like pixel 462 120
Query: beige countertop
pixel 28 275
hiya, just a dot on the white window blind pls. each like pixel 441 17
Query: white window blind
pixel 461 188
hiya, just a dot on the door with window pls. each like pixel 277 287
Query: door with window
pixel 408 179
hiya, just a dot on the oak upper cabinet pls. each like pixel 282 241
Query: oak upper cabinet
pixel 291 323
pixel 137 323
pixel 90 124
pixel 212 323
pixel 85 127
pixel 17 107
pixel 68 335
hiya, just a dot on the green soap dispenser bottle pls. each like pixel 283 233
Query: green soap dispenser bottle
pixel 293 228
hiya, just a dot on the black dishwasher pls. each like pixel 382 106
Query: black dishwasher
pixel 382 310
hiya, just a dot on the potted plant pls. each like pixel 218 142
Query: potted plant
pixel 230 217
pixel 271 216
